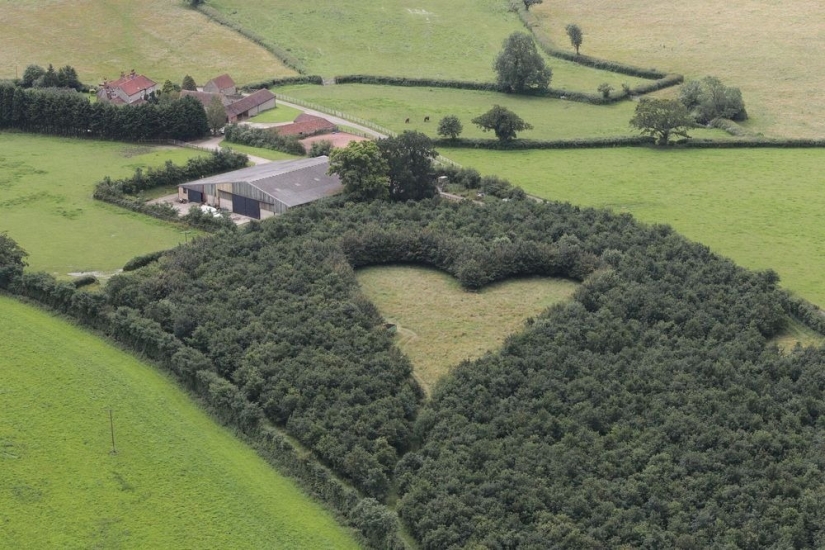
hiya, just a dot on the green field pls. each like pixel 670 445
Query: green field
pixel 100 38
pixel 797 333
pixel 440 324
pixel 258 151
pixel 390 106
pixel 178 480
pixel 282 113
pixel 778 75
pixel 458 40
pixel 761 207
pixel 46 202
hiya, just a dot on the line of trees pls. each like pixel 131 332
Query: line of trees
pixel 72 114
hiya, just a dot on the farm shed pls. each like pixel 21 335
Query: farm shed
pixel 221 85
pixel 251 105
pixel 266 189
pixel 306 125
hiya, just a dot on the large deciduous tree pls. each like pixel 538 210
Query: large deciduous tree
pixel 410 159
pixel 504 122
pixel 662 118
pixel 450 127
pixel 576 36
pixel 215 114
pixel 520 67
pixel 362 169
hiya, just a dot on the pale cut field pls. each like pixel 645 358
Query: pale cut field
pixel 774 51
pixel 100 38
pixel 440 324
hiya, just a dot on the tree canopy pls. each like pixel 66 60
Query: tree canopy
pixel 363 170
pixel 450 127
pixel 216 114
pixel 503 122
pixel 708 98
pixel 409 157
pixel 574 33
pixel 520 67
pixel 661 118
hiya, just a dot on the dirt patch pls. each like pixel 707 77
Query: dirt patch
pixel 339 139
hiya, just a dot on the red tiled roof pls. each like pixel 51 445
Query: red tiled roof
pixel 131 85
pixel 305 125
pixel 249 102
pixel 223 82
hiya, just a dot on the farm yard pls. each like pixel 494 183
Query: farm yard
pixel 584 367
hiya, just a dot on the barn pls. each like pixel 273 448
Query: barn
pixel 266 189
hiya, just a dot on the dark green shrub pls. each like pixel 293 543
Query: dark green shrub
pixel 266 139
pixel 139 261
pixel 320 148
pixel 84 280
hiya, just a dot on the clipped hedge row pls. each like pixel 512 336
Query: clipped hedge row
pixel 532 24
pixel 415 82
pixel 140 261
pixel 264 138
pixel 286 58
pixel 730 126
pixel 283 81
pixel 523 144
pixel 751 143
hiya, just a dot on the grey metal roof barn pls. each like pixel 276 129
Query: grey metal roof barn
pixel 266 189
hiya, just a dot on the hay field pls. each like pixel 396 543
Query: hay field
pixel 440 324
pixel 100 38
pixel 773 51
pixel 178 480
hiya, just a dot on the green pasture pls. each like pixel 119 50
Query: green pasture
pixel 797 333
pixel 771 50
pixel 268 154
pixel 178 480
pixel 390 106
pixel 46 203
pixel 455 40
pixel 761 207
pixel 162 39
pixel 439 324
pixel 281 113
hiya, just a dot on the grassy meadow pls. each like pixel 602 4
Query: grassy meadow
pixel 162 39
pixel 46 202
pixel 268 154
pixel 760 207
pixel 390 106
pixel 773 51
pixel 440 324
pixel 458 40
pixel 178 480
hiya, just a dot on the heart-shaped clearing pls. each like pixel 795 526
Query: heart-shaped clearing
pixel 440 324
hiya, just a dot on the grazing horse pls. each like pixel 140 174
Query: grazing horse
pixel 426 119
pixel 407 121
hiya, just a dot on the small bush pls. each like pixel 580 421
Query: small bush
pixel 320 148
pixel 84 280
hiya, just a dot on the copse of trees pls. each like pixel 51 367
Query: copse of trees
pixel 520 68
pixel 71 114
pixel 708 99
pixel 35 76
pixel 399 168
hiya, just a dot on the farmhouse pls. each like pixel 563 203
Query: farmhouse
pixel 266 189
pixel 129 89
pixel 221 85
pixel 306 125
pixel 250 105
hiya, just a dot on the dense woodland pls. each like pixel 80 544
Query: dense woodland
pixel 650 412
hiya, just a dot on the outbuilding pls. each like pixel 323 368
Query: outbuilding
pixel 250 105
pixel 266 189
